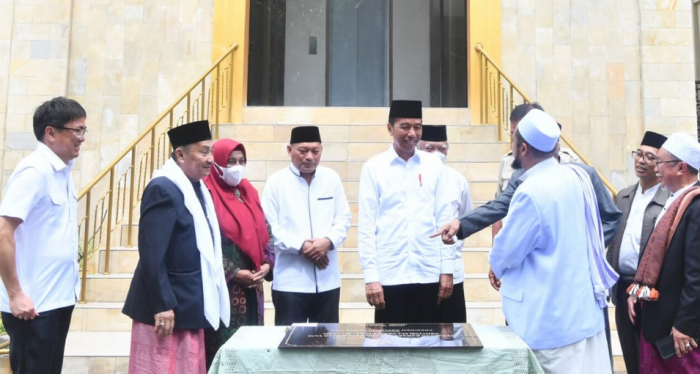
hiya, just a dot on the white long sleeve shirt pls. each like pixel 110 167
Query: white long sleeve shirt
pixel 461 196
pixel 401 203
pixel 298 211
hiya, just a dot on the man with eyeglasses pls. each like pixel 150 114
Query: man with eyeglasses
pixel 640 204
pixel 39 241
pixel 667 280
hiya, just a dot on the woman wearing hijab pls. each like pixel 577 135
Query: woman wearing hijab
pixel 246 243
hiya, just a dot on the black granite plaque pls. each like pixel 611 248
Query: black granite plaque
pixel 378 335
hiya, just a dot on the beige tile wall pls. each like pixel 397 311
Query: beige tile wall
pixel 607 69
pixel 123 60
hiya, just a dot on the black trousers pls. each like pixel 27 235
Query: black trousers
pixel 36 346
pixel 410 303
pixel 454 309
pixel 626 331
pixel 298 307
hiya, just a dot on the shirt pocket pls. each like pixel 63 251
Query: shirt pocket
pixel 58 210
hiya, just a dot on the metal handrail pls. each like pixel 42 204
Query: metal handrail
pixel 210 95
pixel 504 103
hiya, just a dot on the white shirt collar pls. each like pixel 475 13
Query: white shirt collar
pixel 55 161
pixel 296 171
pixel 650 191
pixel 670 201
pixel 680 192
pixel 394 156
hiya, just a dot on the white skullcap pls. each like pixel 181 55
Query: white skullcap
pixel 685 147
pixel 539 130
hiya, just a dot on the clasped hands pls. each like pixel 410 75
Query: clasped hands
pixel 315 250
pixel 252 278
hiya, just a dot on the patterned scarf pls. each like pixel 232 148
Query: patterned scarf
pixel 655 252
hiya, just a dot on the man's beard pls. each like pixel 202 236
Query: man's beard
pixel 516 164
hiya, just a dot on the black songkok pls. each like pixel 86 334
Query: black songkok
pixel 406 109
pixel 305 134
pixel 189 133
pixel 434 133
pixel 653 139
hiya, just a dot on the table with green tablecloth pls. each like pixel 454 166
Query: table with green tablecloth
pixel 253 349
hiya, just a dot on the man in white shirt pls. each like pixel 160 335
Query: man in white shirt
pixel 404 197
pixel 308 212
pixel 39 241
pixel 434 140
pixel 640 204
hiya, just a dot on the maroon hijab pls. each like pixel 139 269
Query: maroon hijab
pixel 242 222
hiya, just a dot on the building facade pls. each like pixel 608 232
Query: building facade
pixel 608 70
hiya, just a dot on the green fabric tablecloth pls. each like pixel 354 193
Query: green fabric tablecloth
pixel 254 350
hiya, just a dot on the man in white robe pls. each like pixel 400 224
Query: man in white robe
pixel 549 256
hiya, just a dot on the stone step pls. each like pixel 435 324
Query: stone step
pixel 482 239
pixel 107 316
pixel 102 316
pixel 97 352
pixel 114 288
pixel 344 149
pixel 341 116
pixel 123 260
pixel 107 288
pixel 357 133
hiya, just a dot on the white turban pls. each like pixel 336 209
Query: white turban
pixel 539 130
pixel 685 147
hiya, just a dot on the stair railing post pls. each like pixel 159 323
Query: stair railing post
pixel 152 151
pixel 204 99
pixel 188 107
pixel 217 93
pixel 230 92
pixel 109 220
pixel 86 242
pixel 132 191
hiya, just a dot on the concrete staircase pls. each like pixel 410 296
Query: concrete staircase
pixel 98 341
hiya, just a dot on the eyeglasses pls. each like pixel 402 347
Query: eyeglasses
pixel 80 132
pixel 649 159
pixel 657 163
